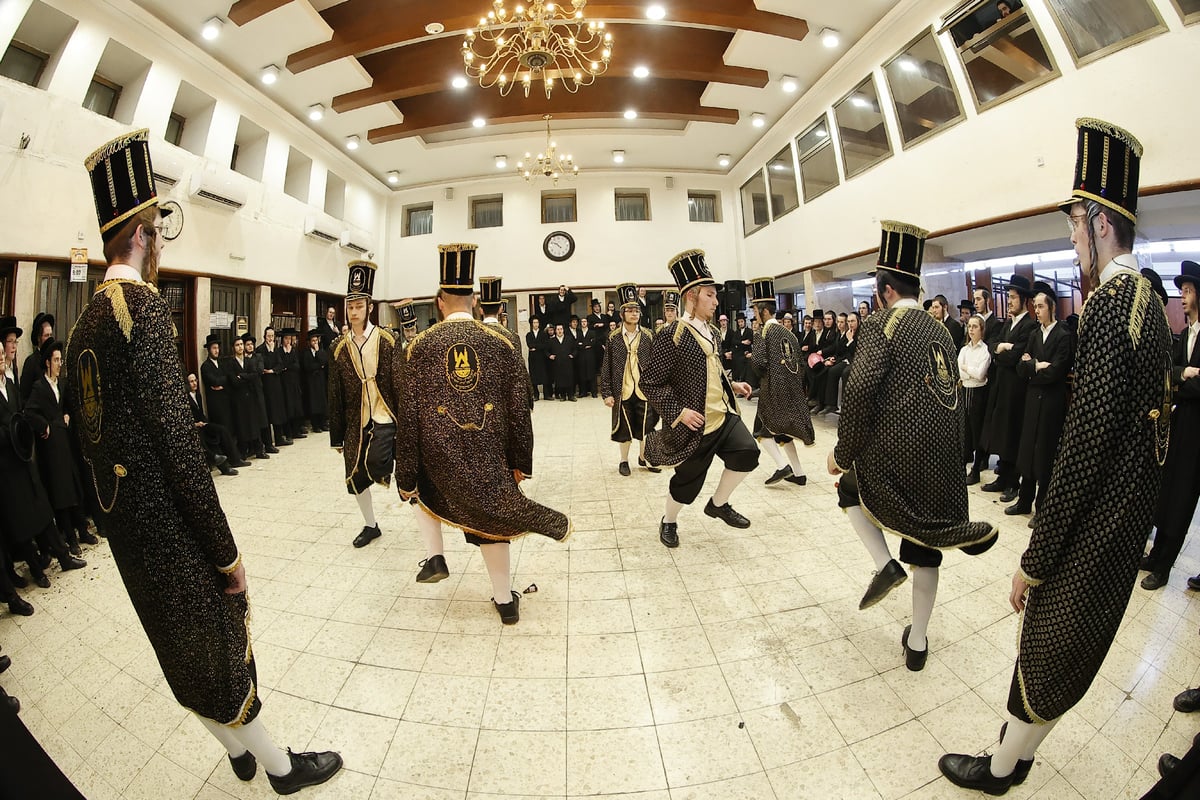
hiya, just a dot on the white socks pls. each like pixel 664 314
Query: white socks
pixel 771 448
pixel 871 536
pixel 366 507
pixel 625 452
pixel 793 457
pixel 252 736
pixel 431 532
pixel 496 558
pixel 729 481
pixel 1021 741
pixel 671 512
pixel 925 583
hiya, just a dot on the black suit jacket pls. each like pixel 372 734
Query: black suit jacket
pixel 198 414
pixel 559 310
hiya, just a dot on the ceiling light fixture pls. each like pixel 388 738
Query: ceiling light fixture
pixel 501 162
pixel 907 63
pixel 723 160
pixel 789 83
pixel 479 122
pixel 655 12
pixel 316 112
pixel 548 163
pixel 858 101
pixel 757 119
pixel 618 156
pixel 352 142
pixel 434 28
pixel 393 177
pixel 630 114
pixel 212 28
pixel 270 74
pixel 830 37
pixel 641 71
pixel 544 41
pixel 460 82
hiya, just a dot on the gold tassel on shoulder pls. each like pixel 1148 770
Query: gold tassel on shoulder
pixel 116 295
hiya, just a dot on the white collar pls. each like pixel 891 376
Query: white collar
pixel 974 345
pixel 906 302
pixel 772 321
pixel 1195 326
pixel 459 315
pixel 1047 328
pixel 631 334
pixel 366 330
pixel 1124 261
pixel 1017 319
pixel 702 327
pixel 122 272
pixel 492 320
pixel 985 316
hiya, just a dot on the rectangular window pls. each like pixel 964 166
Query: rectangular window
pixel 487 212
pixel 754 204
pixel 174 133
pixel 632 206
pixel 1188 9
pixel 23 63
pixel 558 207
pixel 702 207
pixel 781 175
pixel 1095 29
pixel 818 162
pixel 1003 55
pixel 418 220
pixel 922 92
pixel 861 130
pixel 102 96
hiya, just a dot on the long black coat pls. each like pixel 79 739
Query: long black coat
pixel 739 342
pixel 558 310
pixel 1181 474
pixel 25 510
pixel 586 355
pixel 314 369
pixel 218 391
pixel 272 383
pixel 245 384
pixel 290 378
pixel 56 462
pixel 783 399
pixel 562 367
pixel 535 343
pixel 1045 400
pixel 1006 398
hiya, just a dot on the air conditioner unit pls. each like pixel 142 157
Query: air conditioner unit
pixel 170 165
pixel 357 241
pixel 211 188
pixel 325 228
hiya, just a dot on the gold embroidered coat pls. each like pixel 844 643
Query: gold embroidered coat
pixel 354 390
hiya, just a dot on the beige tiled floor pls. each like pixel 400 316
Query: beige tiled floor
pixel 737 666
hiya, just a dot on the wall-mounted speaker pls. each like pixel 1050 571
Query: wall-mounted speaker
pixel 670 182
pixel 449 192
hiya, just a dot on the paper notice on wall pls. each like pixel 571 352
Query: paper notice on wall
pixel 219 320
pixel 79 265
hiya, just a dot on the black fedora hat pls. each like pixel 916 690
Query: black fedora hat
pixel 1041 287
pixel 1021 285
pixel 1189 272
pixel 9 325
pixel 1157 282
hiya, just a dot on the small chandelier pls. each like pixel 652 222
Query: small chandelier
pixel 543 41
pixel 548 163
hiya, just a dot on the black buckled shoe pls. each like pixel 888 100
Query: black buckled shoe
pixel 433 569
pixel 668 533
pixel 913 659
pixel 888 578
pixel 623 468
pixel 308 769
pixel 367 535
pixel 778 475
pixel 244 766
pixel 1187 701
pixel 973 772
pixel 726 514
pixel 510 612
pixel 1155 580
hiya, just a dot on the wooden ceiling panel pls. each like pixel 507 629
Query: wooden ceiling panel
pixel 244 11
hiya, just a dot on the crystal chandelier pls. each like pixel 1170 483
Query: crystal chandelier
pixel 548 163
pixel 543 41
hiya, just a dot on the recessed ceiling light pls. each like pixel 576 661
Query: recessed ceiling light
pixel 821 133
pixel 270 74
pixel 434 28
pixel 907 63
pixel 479 122
pixel 788 83
pixel 393 177
pixel 830 37
pixel 757 119
pixel 641 71
pixel 459 83
pixel 212 28
pixel 618 156
pixel 859 101
pixel 655 12
pixel 723 160
pixel 501 162
pixel 630 114
pixel 352 142
pixel 316 112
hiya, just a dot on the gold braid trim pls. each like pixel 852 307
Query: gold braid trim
pixel 491 536
pixel 892 226
pixel 889 327
pixel 340 346
pixel 1118 133
pixel 107 150
pixel 232 568
pixel 116 295
pixel 491 331
pixel 675 259
pixel 1142 293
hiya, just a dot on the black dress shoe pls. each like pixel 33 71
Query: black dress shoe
pixel 367 535
pixel 9 702
pixel 1187 701
pixel 1155 580
pixel 433 569
pixel 1016 509
pixel 973 478
pixel 913 659
pixel 623 468
pixel 5 663
pixel 227 470
pixel 283 442
pixel 18 605
pixel 1193 583
pixel 308 769
pixel 510 612
pixel 726 514
pixel 888 578
pixel 70 562
pixel 262 455
pixel 41 581
pixel 239 463
pixel 1166 763
pixel 668 533
pixel 300 435
pixel 973 772
pixel 1009 495
pixel 1032 522
pixel 74 549
pixel 17 581
pixel 994 486
pixel 244 766
pixel 778 475
pixel 272 449
pixel 1146 564
pixel 87 537
pixel 799 480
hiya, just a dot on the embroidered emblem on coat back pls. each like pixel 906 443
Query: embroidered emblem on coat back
pixel 91 395
pixel 940 379
pixel 462 367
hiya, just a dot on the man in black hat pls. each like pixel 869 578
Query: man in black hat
pixel 362 399
pixel 1181 474
pixel 697 402
pixel 248 417
pixel 1045 367
pixel 965 309
pixel 491 301
pixel 902 393
pixel 41 332
pixel 783 414
pixel 558 307
pixel 1077 574
pixel 939 308
pixel 255 372
pixel 291 379
pixel 158 507
pixel 466 436
pixel 739 344
pixel 1006 400
pixel 270 358
pixel 314 372
pixel 626 353
pixel 217 440
pixel 216 381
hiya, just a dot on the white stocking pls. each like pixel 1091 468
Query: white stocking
pixel 224 735
pixel 496 558
pixel 254 737
pixel 366 507
pixel 871 536
pixel 671 512
pixel 925 583
pixel 624 452
pixel 793 458
pixel 771 448
pixel 1021 741
pixel 729 481
pixel 431 532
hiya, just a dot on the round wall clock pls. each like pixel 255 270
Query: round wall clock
pixel 559 246
pixel 172 223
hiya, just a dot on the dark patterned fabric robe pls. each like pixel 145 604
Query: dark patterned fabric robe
pixel 612 372
pixel 516 343
pixel 782 399
pixel 344 395
pixel 1083 556
pixel 901 394
pixel 157 503
pixel 463 427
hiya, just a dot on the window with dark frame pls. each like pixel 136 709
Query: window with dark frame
pixel 174 133
pixel 755 213
pixel 861 129
pixel 632 206
pixel 558 207
pixel 23 63
pixel 702 207
pixel 781 175
pixel 418 220
pixel 1002 56
pixel 922 92
pixel 1188 9
pixel 487 212
pixel 818 162
pixel 102 97
pixel 1094 30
